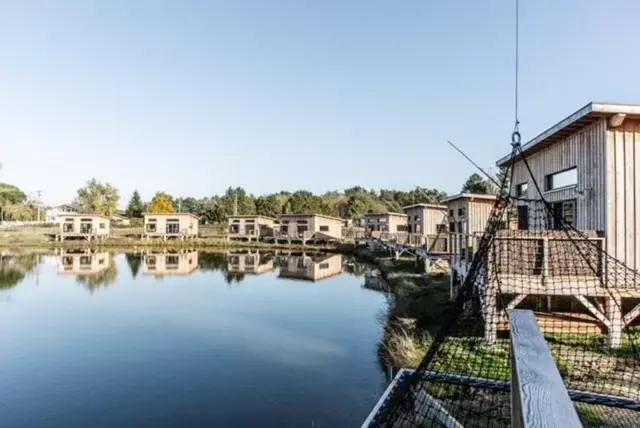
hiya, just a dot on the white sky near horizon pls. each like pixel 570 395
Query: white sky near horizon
pixel 193 97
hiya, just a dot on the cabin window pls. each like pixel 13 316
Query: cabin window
pixel 441 228
pixel 409 229
pixel 382 220
pixel 173 225
pixel 249 221
pixel 417 218
pixel 101 261
pixel 85 260
pixel 102 226
pixel 152 227
pixel 67 227
pixel 303 228
pixel 85 225
pixel 452 227
pixel 460 228
pixel 564 211
pixel 523 217
pixel 171 262
pixel 522 190
pixel 324 228
pixel 450 213
pixel 285 221
pixel 323 266
pixel 235 221
pixel 558 180
pixel 151 262
pixel 461 212
pixel 401 228
pixel 301 221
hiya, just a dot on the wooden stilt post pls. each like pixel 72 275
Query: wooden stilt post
pixel 614 314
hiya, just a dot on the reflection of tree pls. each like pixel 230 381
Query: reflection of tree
pixel 212 261
pixel 134 261
pixel 231 277
pixel 101 279
pixel 14 268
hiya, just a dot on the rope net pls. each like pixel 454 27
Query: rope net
pixel 586 302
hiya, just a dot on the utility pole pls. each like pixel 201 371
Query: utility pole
pixel 38 203
pixel 235 203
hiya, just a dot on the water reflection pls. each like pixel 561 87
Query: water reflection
pixel 163 263
pixel 93 269
pixel 314 267
pixel 15 267
pixel 251 263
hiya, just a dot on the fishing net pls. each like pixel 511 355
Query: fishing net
pixel 586 303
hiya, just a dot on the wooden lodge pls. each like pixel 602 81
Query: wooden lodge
pixel 250 227
pixel 163 263
pixel 83 262
pixel 311 267
pixel 251 263
pixel 170 225
pixel 85 226
pixel 427 223
pixel 304 228
pixel 586 166
pixel 389 222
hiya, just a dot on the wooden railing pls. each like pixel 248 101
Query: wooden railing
pixel 544 254
pixel 538 395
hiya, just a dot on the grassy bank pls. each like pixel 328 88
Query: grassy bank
pixel 129 237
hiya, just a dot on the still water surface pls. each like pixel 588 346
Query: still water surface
pixel 196 339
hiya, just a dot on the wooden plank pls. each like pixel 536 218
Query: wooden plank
pixel 594 311
pixel 515 302
pixel 631 315
pixel 630 196
pixel 539 397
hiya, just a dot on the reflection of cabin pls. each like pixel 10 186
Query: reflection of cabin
pixel 311 267
pixel 170 225
pixel 385 222
pixel 165 263
pixel 250 227
pixel 250 263
pixel 84 263
pixel 87 226
pixel 309 227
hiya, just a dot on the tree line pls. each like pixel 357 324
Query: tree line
pixel 351 203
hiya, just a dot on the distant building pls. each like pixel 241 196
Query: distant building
pixel 468 213
pixel 53 214
pixel 426 219
pixel 385 222
pixel 123 221
pixel 309 227
pixel 170 225
pixel 250 226
pixel 311 267
pixel 87 226
pixel 169 263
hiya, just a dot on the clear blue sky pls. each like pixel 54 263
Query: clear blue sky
pixel 191 97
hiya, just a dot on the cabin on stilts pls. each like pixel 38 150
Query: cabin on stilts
pixel 250 227
pixel 428 223
pixel 570 238
pixel 170 225
pixel 85 226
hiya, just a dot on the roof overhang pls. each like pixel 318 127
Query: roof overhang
pixel 587 115
pixel 471 196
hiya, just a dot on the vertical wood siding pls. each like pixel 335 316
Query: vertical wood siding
pixel 623 184
pixel 586 150
pixel 433 217
pixel 479 212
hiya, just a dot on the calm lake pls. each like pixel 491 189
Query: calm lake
pixel 189 339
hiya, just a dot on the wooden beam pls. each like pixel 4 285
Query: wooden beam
pixel 516 301
pixel 616 120
pixel 538 395
pixel 594 311
pixel 631 315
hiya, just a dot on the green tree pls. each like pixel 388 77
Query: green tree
pixel 101 279
pixel 303 201
pixel 476 184
pixel 135 206
pixel 237 198
pixel 10 194
pixel 97 197
pixel 14 269
pixel 268 206
pixel 161 203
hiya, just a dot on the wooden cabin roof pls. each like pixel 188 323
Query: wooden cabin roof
pixel 171 214
pixel 252 216
pixel 310 215
pixel 389 213
pixel 473 196
pixel 585 116
pixel 88 215
pixel 432 206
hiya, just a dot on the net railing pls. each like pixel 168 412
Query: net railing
pixel 586 302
